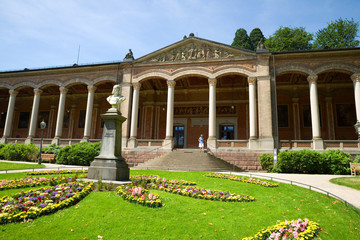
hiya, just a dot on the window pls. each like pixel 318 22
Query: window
pixel 227 132
pixel 24 120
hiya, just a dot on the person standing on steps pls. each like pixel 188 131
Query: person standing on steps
pixel 201 143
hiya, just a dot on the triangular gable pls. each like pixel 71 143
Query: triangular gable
pixel 196 49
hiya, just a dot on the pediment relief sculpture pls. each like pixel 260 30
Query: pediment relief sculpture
pixel 195 51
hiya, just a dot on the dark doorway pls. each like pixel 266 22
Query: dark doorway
pixel 179 136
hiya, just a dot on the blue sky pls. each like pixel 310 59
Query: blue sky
pixel 45 33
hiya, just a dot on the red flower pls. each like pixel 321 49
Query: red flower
pixel 25 209
pixel 57 201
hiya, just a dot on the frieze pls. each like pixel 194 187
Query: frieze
pixel 204 110
pixel 193 52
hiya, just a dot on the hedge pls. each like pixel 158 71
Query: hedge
pixel 78 154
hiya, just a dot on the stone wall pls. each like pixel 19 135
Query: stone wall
pixel 133 158
pixel 246 160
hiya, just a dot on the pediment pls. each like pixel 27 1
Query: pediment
pixel 195 49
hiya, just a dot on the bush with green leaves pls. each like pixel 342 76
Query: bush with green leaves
pixel 19 152
pixel 267 161
pixel 78 154
pixel 356 159
pixel 51 149
pixel 311 162
pixel 1 146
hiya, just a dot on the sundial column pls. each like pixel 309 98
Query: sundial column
pixel 34 116
pixel 9 115
pixel 211 142
pixel 60 116
pixel 169 142
pixel 315 114
pixel 134 115
pixel 89 110
pixel 356 79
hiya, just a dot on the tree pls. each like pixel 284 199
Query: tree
pixel 255 36
pixel 241 39
pixel 289 39
pixel 338 34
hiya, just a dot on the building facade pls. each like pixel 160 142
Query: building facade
pixel 241 101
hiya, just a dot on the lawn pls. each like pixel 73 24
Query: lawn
pixel 107 215
pixel 352 182
pixel 12 166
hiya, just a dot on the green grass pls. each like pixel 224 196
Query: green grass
pixel 12 166
pixel 352 182
pixel 107 215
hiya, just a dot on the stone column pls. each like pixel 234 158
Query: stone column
pixel 252 110
pixel 356 79
pixel 60 116
pixel 211 141
pixel 89 110
pixel 169 142
pixel 72 121
pixel 34 116
pixel 315 114
pixel 9 115
pixel 330 118
pixel 134 115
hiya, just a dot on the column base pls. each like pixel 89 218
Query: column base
pixel 132 142
pixel 56 141
pixel 168 143
pixel 85 139
pixel 113 169
pixel 266 143
pixel 4 140
pixel 318 144
pixel 211 143
pixel 253 143
pixel 28 140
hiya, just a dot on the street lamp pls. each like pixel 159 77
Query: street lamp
pixel 357 129
pixel 42 126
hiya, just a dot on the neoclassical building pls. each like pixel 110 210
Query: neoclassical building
pixel 243 102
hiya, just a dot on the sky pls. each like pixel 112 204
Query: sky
pixel 43 33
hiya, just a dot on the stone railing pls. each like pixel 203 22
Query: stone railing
pixel 232 143
pixel 328 144
pixel 149 142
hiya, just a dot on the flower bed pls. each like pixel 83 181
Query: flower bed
pixel 52 172
pixel 243 179
pixel 300 229
pixel 34 203
pixel 201 193
pixel 27 182
pixel 158 180
pixel 139 195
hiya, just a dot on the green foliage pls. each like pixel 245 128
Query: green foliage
pixel 267 161
pixel 51 149
pixel 338 34
pixel 313 162
pixel 255 36
pixel 241 39
pixel 78 154
pixel 1 146
pixel 289 39
pixel 19 152
pixel 356 159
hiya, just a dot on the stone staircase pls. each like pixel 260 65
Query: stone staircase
pixel 188 160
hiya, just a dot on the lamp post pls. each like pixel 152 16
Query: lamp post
pixel 42 126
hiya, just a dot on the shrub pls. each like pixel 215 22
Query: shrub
pixel 19 152
pixel 78 154
pixel 1 146
pixel 267 161
pixel 313 162
pixel 52 149
pixel 356 159
pixel 338 162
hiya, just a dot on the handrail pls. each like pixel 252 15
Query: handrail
pixel 306 185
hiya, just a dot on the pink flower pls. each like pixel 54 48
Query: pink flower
pixel 295 234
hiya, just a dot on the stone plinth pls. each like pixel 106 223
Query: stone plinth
pixel 110 165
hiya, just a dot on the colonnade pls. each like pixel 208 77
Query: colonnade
pixel 59 119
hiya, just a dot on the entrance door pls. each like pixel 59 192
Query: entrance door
pixel 179 136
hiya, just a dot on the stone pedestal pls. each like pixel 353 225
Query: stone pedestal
pixel 110 165
pixel 168 143
pixel 318 144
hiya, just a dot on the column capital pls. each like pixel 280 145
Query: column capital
pixel 37 91
pixel 212 81
pixel 91 88
pixel 137 86
pixel 171 83
pixel 355 77
pixel 312 78
pixel 13 93
pixel 63 90
pixel 252 80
